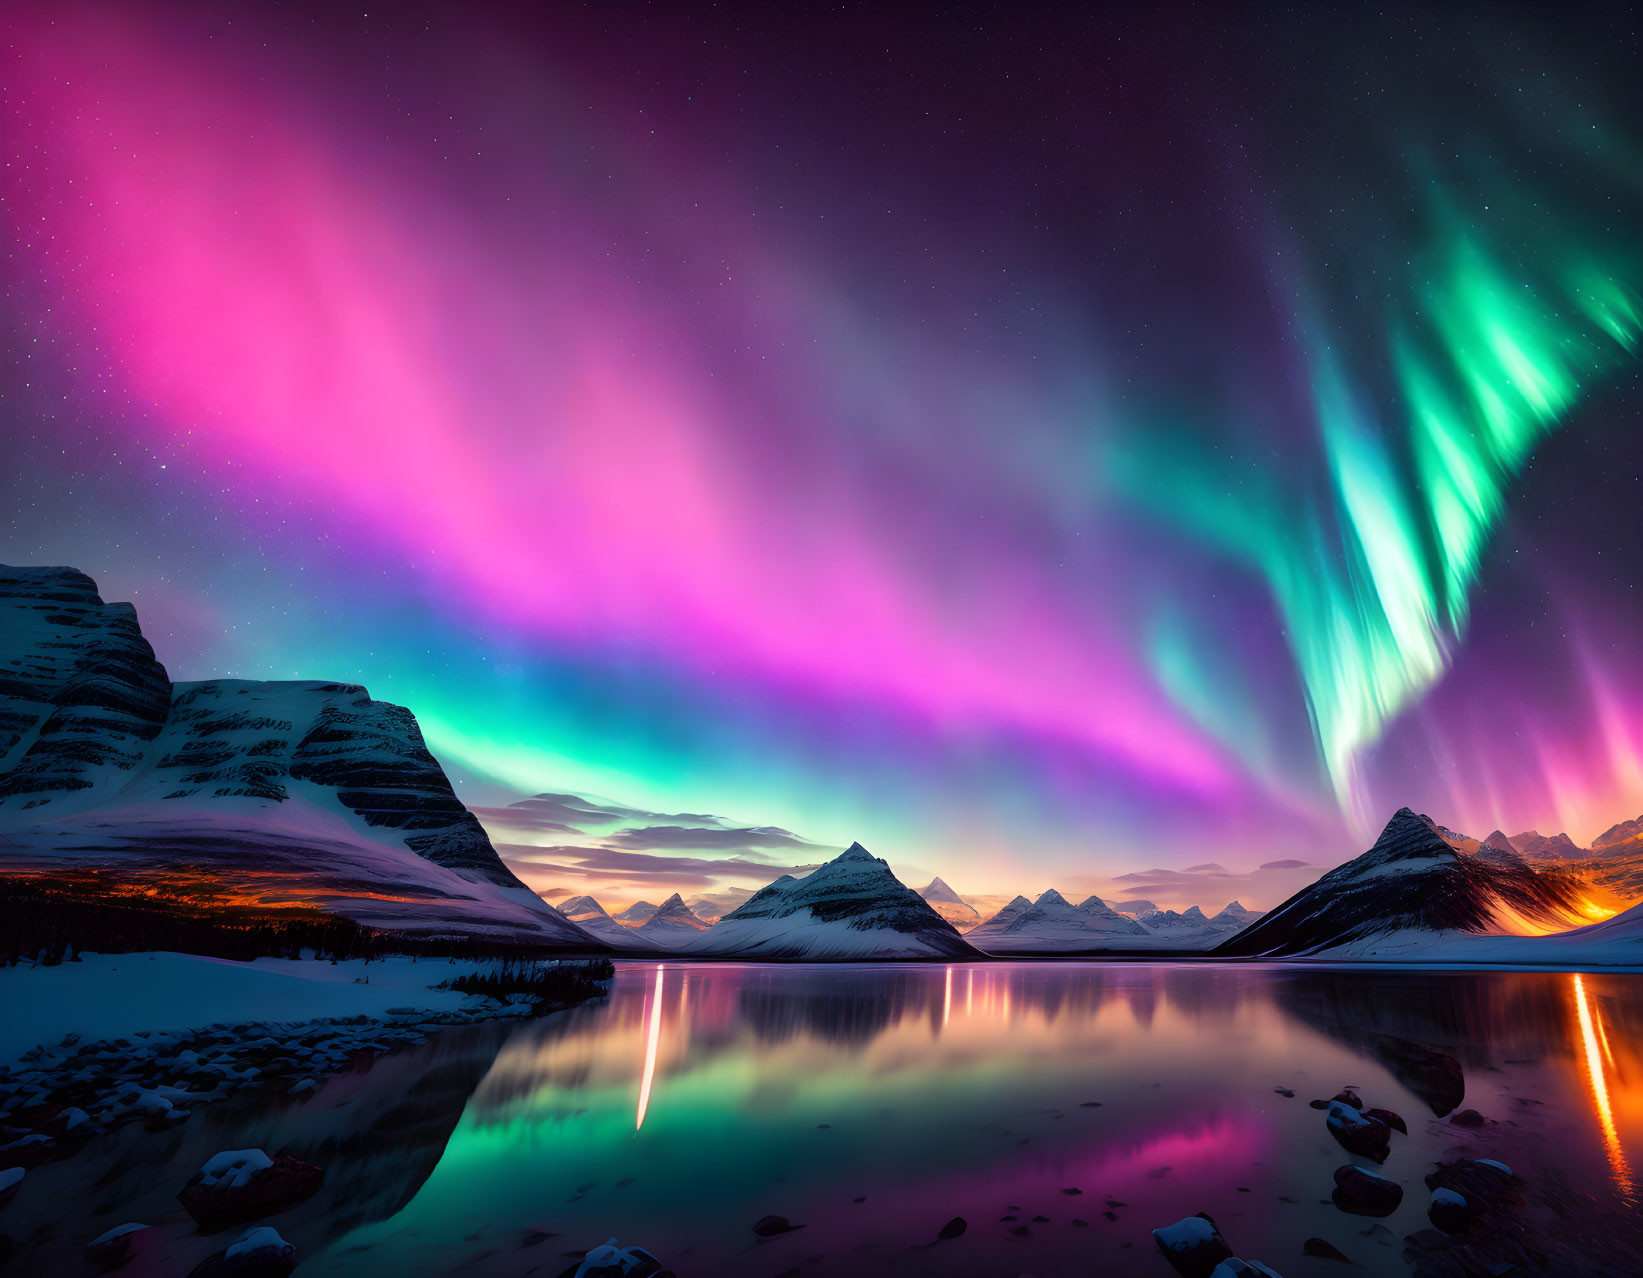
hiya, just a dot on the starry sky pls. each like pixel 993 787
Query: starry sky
pixel 1043 447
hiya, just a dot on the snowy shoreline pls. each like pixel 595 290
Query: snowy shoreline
pixel 108 1040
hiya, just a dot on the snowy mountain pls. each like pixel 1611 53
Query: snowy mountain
pixel 852 907
pixel 1052 924
pixel 591 917
pixel 242 792
pixel 1235 914
pixel 949 904
pixel 1414 883
pixel 637 913
pixel 671 926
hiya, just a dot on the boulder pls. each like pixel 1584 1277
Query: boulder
pixel 1323 1249
pixel 953 1228
pixel 1451 1212
pixel 1357 1133
pixel 1468 1118
pixel 242 1184
pixel 1482 1182
pixel 1236 1268
pixel 1346 1097
pixel 257 1253
pixel 770 1226
pixel 1432 1075
pixel 612 1260
pixel 1392 1120
pixel 1363 1193
pixel 1193 1246
pixel 115 1246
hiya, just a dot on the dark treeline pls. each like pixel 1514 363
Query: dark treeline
pixel 550 983
pixel 50 920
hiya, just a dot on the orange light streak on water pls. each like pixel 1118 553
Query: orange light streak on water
pixel 947 1000
pixel 1591 1033
pixel 653 1038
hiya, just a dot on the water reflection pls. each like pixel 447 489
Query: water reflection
pixel 873 1104
pixel 1599 1059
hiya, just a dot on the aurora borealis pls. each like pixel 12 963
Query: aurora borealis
pixel 1039 447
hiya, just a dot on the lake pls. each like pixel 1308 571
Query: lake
pixel 1064 1110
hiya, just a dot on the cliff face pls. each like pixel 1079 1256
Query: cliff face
pixel 81 695
pixel 270 792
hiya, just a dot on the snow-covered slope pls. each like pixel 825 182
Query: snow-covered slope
pixel 950 905
pixel 1052 925
pixel 299 793
pixel 672 926
pixel 852 907
pixel 591 917
pixel 1414 884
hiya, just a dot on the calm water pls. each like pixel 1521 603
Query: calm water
pixel 872 1104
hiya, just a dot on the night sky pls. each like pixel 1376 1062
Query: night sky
pixel 1040 447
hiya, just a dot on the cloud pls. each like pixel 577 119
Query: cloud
pixel 1209 886
pixel 588 811
pixel 682 837
pixel 616 863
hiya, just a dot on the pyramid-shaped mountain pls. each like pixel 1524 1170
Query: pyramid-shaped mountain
pixel 852 907
pixel 1413 883
pixel 949 904
pixel 672 925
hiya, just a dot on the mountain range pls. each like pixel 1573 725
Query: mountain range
pixel 265 796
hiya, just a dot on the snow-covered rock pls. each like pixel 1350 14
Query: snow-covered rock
pixel 1413 887
pixel 286 793
pixel 1193 1246
pixel 950 905
pixel 234 1167
pixel 243 1184
pixel 1236 1268
pixel 113 1247
pixel 262 1245
pixel 612 1260
pixel 1364 1193
pixel 852 907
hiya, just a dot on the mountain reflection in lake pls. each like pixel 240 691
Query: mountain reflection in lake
pixel 1063 1109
